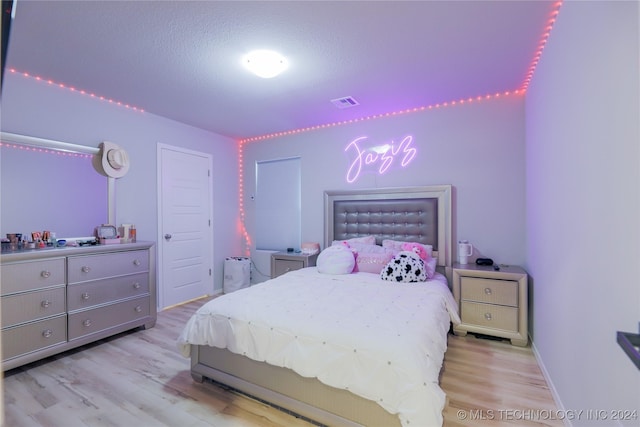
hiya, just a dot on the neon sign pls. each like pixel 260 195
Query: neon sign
pixel 379 157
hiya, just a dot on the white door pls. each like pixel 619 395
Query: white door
pixel 185 233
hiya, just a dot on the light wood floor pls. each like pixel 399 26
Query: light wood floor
pixel 139 379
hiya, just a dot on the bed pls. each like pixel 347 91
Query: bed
pixel 340 349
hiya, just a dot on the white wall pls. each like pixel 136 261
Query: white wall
pixel 477 147
pixel 583 205
pixel 36 108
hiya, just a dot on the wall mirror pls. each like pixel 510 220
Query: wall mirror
pixel 48 188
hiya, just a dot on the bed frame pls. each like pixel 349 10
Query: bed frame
pixel 417 214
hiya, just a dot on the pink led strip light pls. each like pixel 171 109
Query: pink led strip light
pixel 241 224
pixel 521 91
pixel 383 115
pixel 44 150
pixel 73 89
pixel 541 45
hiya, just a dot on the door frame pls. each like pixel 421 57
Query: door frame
pixel 160 236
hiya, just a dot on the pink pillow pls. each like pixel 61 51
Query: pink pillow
pixel 372 262
pixel 363 248
pixel 397 245
pixel 366 240
pixel 430 267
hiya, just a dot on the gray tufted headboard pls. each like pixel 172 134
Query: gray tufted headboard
pixel 415 214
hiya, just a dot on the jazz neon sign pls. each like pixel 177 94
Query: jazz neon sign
pixel 378 157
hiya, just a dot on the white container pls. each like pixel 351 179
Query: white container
pixel 237 273
pixel 465 250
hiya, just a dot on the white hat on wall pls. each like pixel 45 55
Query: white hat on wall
pixel 112 161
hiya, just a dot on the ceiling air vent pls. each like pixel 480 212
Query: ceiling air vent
pixel 346 102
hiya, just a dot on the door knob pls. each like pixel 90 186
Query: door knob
pixel 167 236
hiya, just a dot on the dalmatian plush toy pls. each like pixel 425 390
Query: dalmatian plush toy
pixel 407 266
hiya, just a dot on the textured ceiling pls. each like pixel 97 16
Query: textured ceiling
pixel 181 59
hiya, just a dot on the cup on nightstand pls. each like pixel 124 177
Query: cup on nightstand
pixel 465 250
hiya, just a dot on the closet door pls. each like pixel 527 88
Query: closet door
pixel 278 204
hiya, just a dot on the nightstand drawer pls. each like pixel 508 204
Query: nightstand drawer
pixel 284 265
pixel 503 292
pixel 490 316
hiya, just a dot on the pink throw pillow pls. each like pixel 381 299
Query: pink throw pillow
pixel 372 262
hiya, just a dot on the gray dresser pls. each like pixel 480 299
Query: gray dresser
pixel 53 300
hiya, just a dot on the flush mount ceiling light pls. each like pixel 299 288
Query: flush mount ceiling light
pixel 265 63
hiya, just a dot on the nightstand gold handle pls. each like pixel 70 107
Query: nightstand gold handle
pixel 487 291
pixel 487 316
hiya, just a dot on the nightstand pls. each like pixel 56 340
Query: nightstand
pixel 283 262
pixel 492 302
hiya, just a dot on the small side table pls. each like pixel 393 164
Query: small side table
pixel 492 302
pixel 283 262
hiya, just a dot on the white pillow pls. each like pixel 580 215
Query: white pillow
pixel 337 259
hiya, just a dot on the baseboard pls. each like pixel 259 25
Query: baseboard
pixel 554 392
pixel 547 378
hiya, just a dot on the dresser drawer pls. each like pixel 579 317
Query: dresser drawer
pixel 493 291
pixel 490 316
pixel 92 267
pixel 29 306
pixel 97 319
pixel 85 295
pixel 30 275
pixel 34 336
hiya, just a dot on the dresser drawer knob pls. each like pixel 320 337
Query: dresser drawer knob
pixel 136 262
pixel 487 291
pixel 138 309
pixel 85 269
pixel 47 333
pixel 136 285
pixel 487 316
pixel 85 296
pixel 45 304
pixel 46 274
pixel 86 323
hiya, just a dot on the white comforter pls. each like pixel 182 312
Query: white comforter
pixel 383 341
